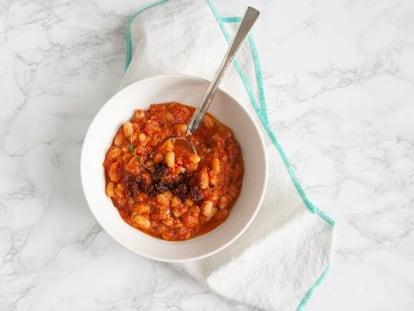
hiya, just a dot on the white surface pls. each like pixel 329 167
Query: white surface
pixel 187 90
pixel 339 85
pixel 286 248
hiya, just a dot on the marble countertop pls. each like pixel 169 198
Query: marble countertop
pixel 340 75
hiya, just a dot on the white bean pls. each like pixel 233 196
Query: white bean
pixel 170 159
pixel 128 129
pixel 208 209
pixel 142 222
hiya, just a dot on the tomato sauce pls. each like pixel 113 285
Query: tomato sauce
pixel 160 186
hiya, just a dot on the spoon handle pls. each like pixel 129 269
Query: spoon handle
pixel 246 25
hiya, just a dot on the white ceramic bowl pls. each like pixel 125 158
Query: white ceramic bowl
pixel 187 90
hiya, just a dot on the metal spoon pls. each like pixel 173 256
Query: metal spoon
pixel 249 18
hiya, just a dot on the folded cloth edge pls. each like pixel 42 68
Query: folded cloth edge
pixel 260 107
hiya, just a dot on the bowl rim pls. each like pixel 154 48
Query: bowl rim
pixel 224 245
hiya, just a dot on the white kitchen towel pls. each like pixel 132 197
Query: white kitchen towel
pixel 284 255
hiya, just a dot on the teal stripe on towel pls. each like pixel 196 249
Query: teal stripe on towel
pixel 266 124
pixel 128 56
pixel 309 293
pixel 261 110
